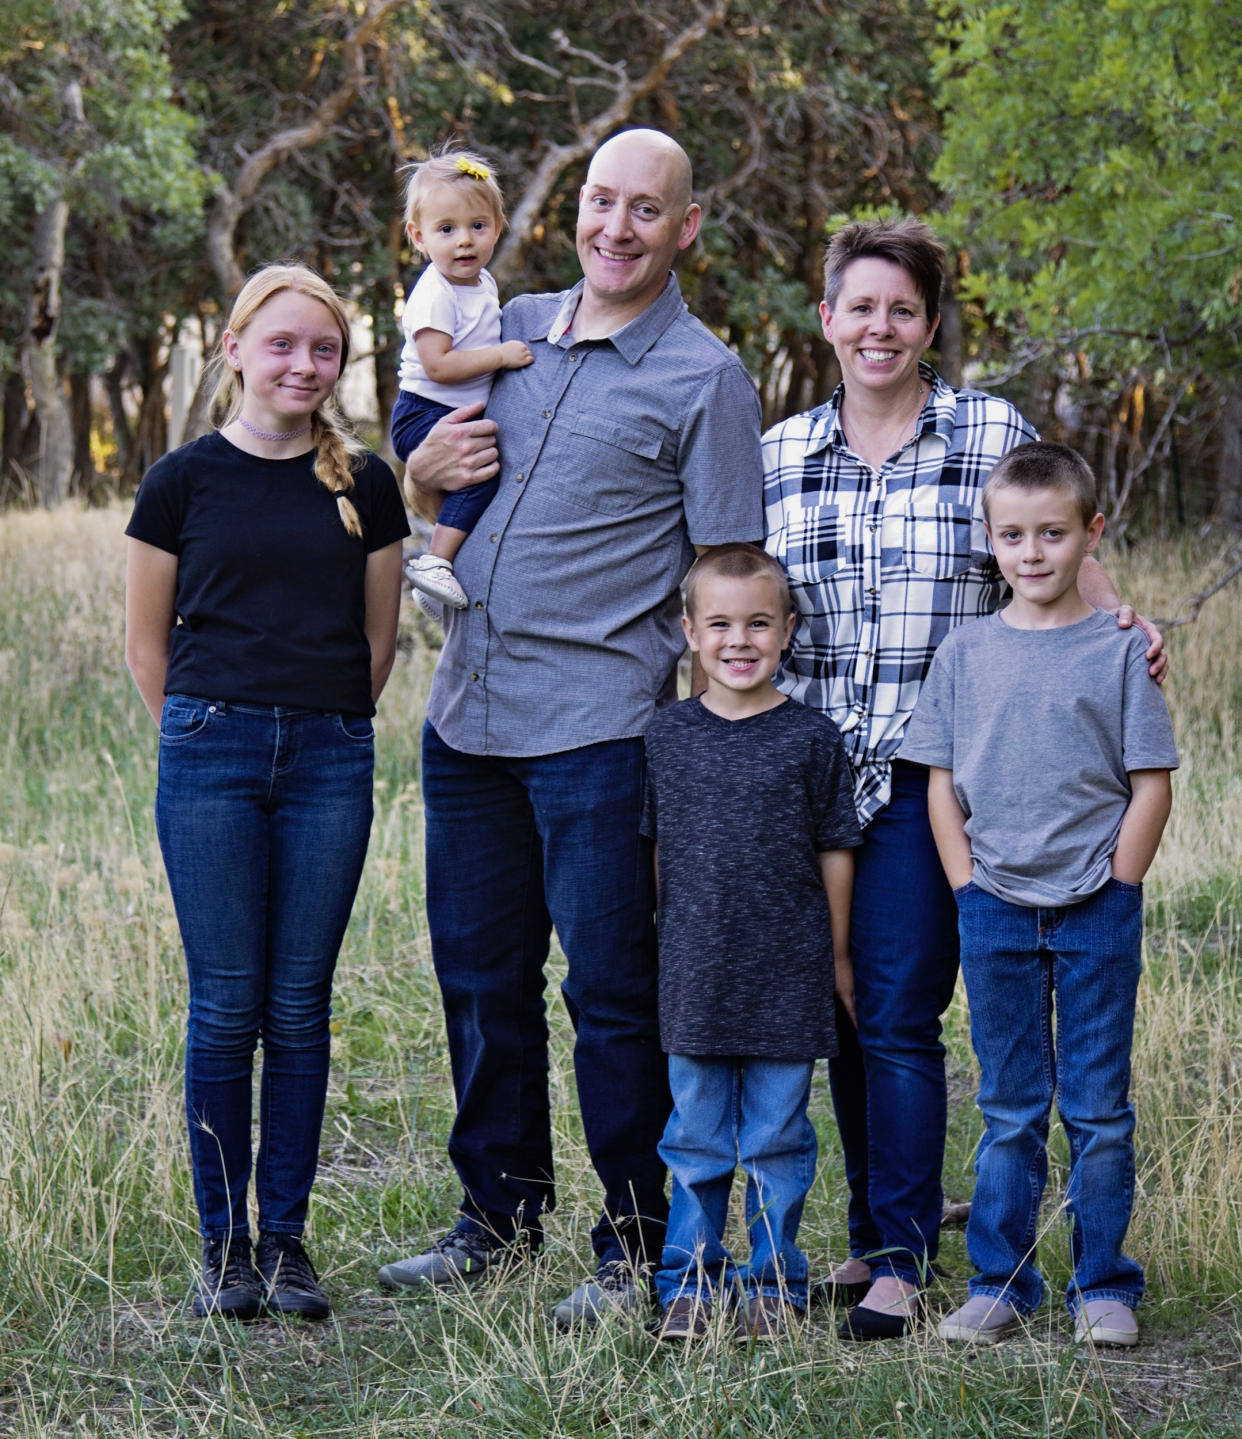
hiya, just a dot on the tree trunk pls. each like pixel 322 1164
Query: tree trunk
pixel 55 461
pixel 949 337
pixel 114 388
pixel 1229 463
pixel 151 437
pixel 84 476
pixel 16 413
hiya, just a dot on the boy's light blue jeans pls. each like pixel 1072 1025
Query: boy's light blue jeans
pixel 730 1111
pixel 1019 964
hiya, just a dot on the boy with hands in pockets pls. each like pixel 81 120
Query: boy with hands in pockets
pixel 1050 749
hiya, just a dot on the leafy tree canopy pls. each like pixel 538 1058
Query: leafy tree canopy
pixel 1091 148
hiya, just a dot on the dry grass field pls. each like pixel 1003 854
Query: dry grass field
pixel 97 1229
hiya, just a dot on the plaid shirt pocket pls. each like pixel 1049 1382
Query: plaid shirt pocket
pixel 938 545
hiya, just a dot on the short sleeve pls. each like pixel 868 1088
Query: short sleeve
pixel 159 506
pixel 1146 731
pixel 719 462
pixel 386 520
pixel 929 730
pixel 833 815
pixel 430 307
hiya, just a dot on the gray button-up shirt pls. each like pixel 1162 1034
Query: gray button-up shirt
pixel 617 456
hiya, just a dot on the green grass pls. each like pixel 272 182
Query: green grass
pixel 97 1232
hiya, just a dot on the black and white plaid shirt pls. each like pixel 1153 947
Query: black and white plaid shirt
pixel 882 563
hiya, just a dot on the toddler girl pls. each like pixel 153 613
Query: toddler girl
pixel 453 214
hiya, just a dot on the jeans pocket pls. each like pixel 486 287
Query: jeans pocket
pixel 1124 886
pixel 183 717
pixel 970 887
pixel 356 728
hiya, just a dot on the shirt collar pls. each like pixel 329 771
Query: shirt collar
pixel 633 340
pixel 939 415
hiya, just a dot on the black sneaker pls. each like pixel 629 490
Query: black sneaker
pixel 228 1285
pixel 292 1285
pixel 462 1256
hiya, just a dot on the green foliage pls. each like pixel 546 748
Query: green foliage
pixel 1092 153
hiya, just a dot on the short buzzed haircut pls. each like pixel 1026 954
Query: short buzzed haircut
pixel 907 242
pixel 1045 465
pixel 738 561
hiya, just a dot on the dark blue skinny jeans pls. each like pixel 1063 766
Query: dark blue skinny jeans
pixel 888 1081
pixel 516 846
pixel 263 816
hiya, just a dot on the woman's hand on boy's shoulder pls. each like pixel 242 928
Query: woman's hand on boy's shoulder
pixel 1157 658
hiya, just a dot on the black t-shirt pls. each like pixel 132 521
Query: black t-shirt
pixel 270 586
pixel 741 810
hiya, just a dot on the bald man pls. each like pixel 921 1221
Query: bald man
pixel 632 440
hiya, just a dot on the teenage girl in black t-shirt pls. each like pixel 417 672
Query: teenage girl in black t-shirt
pixel 262 593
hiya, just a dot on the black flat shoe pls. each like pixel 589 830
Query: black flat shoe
pixel 838 1293
pixel 862 1325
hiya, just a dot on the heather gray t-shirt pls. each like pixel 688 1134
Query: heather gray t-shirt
pixel 1040 729
pixel 741 810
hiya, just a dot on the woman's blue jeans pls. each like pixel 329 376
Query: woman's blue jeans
pixel 726 1112
pixel 516 846
pixel 1019 964
pixel 263 815
pixel 888 1080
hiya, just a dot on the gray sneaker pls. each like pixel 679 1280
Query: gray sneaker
pixel 617 1287
pixel 983 1319
pixel 462 1256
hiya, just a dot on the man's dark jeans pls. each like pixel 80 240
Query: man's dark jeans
pixel 516 846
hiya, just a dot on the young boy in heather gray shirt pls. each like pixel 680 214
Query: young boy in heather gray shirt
pixel 1050 749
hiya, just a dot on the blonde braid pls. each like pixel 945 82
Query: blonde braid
pixel 334 464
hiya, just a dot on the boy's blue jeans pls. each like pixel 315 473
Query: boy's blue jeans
pixel 729 1111
pixel 1019 964
pixel 263 814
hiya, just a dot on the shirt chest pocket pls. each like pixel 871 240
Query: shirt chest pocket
pixel 814 544
pixel 939 544
pixel 609 466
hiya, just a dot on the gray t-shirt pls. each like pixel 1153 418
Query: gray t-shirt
pixel 617 456
pixel 741 810
pixel 1040 729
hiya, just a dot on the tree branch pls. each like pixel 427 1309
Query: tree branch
pixel 527 212
pixel 234 200
pixel 1196 602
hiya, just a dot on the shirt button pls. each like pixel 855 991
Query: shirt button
pixel 519 478
pixel 474 677
pixel 493 538
pixel 478 604
pixel 547 414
